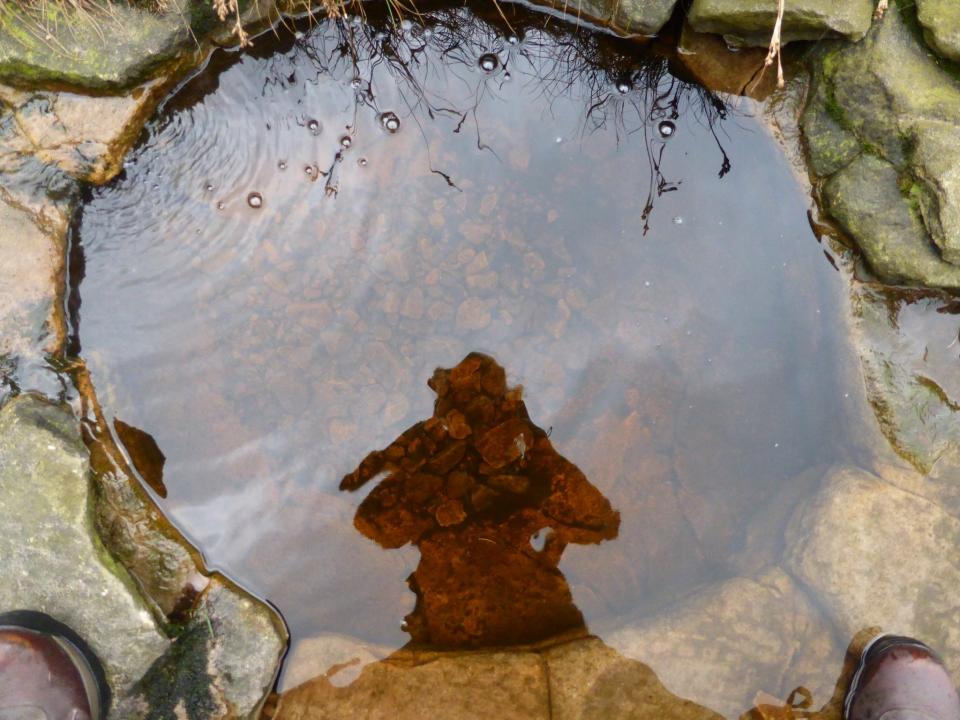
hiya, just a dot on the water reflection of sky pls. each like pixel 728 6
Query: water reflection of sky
pixel 685 369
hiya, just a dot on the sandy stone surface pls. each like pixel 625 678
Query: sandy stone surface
pixel 503 685
pixel 876 555
pixel 589 679
pixel 86 136
pixel 30 262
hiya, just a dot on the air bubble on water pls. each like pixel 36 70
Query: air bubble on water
pixel 355 83
pixel 209 187
pixel 558 139
pixel 678 220
pixel 362 162
pixel 488 62
pixel 314 126
pixel 255 200
pixel 346 141
pixel 390 122
pixel 507 77
pixel 310 171
pixel 220 205
pixel 623 87
pixel 282 165
pixel 513 39
pixel 666 128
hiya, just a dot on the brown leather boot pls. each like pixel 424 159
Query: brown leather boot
pixel 900 678
pixel 47 672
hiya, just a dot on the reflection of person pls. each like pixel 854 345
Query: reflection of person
pixel 491 505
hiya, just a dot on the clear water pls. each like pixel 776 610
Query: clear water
pixel 306 232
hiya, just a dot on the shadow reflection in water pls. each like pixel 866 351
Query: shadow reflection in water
pixel 480 490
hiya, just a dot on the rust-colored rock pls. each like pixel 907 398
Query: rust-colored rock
pixel 472 503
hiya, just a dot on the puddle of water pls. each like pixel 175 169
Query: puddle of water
pixel 307 232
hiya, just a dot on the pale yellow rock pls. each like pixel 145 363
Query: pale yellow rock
pixel 740 636
pixel 501 685
pixel 589 679
pixel 876 555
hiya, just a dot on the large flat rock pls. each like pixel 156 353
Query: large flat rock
pixel 877 555
pixel 52 561
pixel 736 638
pixel 508 684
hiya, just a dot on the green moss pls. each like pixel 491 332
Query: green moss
pixel 179 681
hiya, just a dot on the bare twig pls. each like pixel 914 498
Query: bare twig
pixel 774 53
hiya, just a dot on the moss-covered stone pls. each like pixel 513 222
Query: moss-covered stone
pixel 866 199
pixel 941 26
pixel 829 146
pixel 106 47
pixel 750 22
pixel 890 98
pixel 221 664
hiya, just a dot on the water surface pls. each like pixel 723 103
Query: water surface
pixel 306 232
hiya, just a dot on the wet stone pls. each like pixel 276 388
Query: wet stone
pixel 749 22
pixel 876 555
pixel 53 561
pixel 87 137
